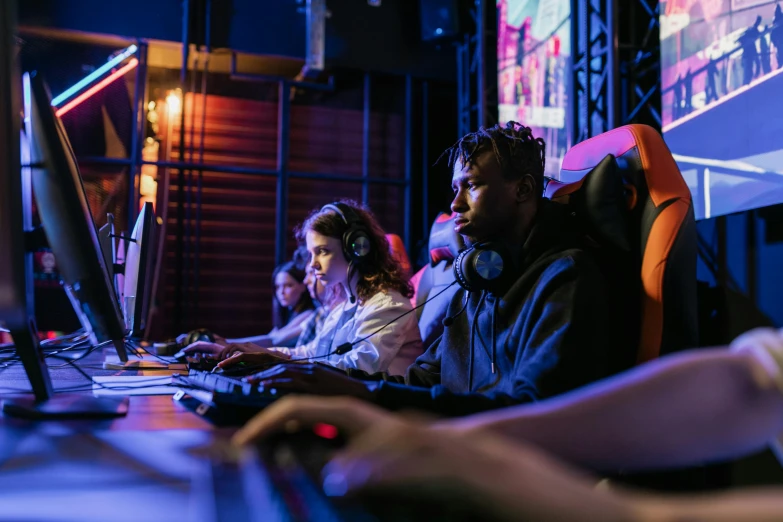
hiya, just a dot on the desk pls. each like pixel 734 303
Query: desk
pixel 155 412
pixel 150 465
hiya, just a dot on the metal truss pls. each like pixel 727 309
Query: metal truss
pixel 639 63
pixel 471 62
pixel 594 69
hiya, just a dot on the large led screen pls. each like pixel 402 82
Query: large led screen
pixel 722 94
pixel 534 50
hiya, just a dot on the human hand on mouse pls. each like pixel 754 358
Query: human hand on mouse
pixel 409 457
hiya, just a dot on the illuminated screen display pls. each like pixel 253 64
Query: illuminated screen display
pixel 722 101
pixel 534 50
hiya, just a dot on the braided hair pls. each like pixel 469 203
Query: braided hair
pixel 516 150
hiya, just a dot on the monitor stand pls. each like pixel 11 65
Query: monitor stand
pixel 50 405
pixel 64 406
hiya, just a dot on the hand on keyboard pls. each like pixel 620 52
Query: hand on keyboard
pixel 222 350
pixel 311 378
pixel 260 357
pixel 215 350
pixel 401 465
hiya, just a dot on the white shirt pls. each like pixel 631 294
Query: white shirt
pixel 390 350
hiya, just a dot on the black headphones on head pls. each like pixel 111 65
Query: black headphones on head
pixel 356 239
pixel 484 266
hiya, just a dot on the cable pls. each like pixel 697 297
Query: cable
pixel 343 348
pixel 158 381
pixel 449 320
pixel 89 351
pixel 158 357
pixel 346 347
pixel 351 269
pixel 66 337
pixel 114 388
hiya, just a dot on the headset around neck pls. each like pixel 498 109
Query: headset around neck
pixel 484 266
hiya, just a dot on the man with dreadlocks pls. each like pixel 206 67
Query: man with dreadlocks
pixel 544 331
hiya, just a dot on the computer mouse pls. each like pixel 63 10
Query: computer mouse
pixel 200 334
pixel 194 336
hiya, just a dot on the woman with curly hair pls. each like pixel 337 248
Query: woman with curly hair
pixel 371 330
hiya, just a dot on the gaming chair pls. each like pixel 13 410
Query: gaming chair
pixel 629 190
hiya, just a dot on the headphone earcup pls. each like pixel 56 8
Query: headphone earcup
pixel 356 244
pixel 482 267
pixel 459 270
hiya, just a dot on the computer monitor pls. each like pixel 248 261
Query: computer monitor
pixel 139 268
pixel 106 237
pixel 16 280
pixel 67 220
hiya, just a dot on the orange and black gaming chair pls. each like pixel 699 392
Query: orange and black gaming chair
pixel 629 190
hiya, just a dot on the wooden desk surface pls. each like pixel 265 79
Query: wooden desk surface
pixel 154 412
pixel 154 464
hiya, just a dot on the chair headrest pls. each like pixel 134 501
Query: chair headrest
pixel 647 164
pixel 662 230
pixel 444 242
pixel 599 202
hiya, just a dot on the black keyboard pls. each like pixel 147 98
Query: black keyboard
pixel 241 369
pixel 291 465
pixel 202 364
pixel 220 390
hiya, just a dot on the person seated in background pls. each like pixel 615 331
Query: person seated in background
pixel 293 306
pixel 373 330
pixel 528 462
pixel 545 326
pixel 324 299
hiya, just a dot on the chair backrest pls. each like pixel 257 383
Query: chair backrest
pixel 435 276
pixel 397 249
pixel 659 224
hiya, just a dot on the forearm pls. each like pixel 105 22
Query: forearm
pixel 522 483
pixel 298 353
pixel 252 339
pixel 285 336
pixel 760 505
pixel 681 410
pixel 441 401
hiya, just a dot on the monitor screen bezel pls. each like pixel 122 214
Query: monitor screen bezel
pixel 67 220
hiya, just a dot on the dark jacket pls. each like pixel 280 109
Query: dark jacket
pixel 551 332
